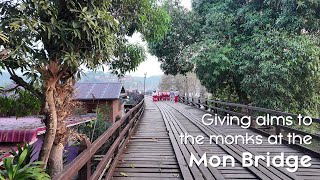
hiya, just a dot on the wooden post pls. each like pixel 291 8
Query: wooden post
pixel 253 120
pixel 127 122
pixel 85 171
pixel 206 107
pixel 199 103
pixel 215 110
pixel 278 130
pixel 117 133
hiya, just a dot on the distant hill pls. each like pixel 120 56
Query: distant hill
pixel 129 82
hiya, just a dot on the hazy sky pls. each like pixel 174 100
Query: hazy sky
pixel 151 66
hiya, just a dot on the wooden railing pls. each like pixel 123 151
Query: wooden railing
pixel 118 135
pixel 223 108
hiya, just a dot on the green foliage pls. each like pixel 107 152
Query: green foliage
pixel 21 149
pixel 96 128
pixel 288 72
pixel 51 42
pixel 21 168
pixel 184 30
pixel 6 106
pixel 78 33
pixel 3 38
pixel 261 52
pixel 21 103
pixel 126 54
pixel 80 111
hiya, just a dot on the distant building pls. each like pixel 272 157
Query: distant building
pixel 95 94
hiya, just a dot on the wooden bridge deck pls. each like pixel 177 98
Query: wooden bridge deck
pixel 155 151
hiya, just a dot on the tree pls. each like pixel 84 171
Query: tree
pixel 261 52
pixel 184 30
pixel 51 41
pixel 187 84
pixel 266 52
pixel 166 83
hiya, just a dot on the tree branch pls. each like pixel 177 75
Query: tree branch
pixel 11 89
pixel 20 82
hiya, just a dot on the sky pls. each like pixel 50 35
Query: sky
pixel 151 66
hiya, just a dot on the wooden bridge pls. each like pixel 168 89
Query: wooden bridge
pixel 145 144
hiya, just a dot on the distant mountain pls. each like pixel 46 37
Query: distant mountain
pixel 129 82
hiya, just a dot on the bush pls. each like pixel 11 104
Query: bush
pixel 19 167
pixel 135 98
pixel 21 103
pixel 94 129
pixel 21 149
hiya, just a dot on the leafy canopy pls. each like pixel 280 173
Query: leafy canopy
pixel 260 52
pixel 51 41
pixel 76 34
pixel 184 30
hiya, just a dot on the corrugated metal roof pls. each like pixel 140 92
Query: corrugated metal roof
pixel 22 129
pixel 90 91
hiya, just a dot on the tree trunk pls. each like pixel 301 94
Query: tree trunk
pixel 64 107
pixel 58 92
pixel 51 124
pixel 55 162
pixel 56 159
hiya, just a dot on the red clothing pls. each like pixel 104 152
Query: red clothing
pixel 161 96
pixel 176 98
pixel 155 98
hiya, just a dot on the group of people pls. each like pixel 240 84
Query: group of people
pixel 165 96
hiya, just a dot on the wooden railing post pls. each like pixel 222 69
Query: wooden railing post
pixel 85 171
pixel 206 107
pixel 253 120
pixel 117 134
pixel 278 130
pixel 127 122
pixel 215 110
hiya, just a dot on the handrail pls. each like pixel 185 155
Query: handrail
pixel 278 128
pixel 127 122
pixel 249 107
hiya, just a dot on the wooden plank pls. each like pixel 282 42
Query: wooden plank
pixel 266 147
pixel 182 163
pixel 261 171
pixel 208 173
pixel 149 153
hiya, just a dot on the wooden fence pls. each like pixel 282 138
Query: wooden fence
pixel 118 135
pixel 223 108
